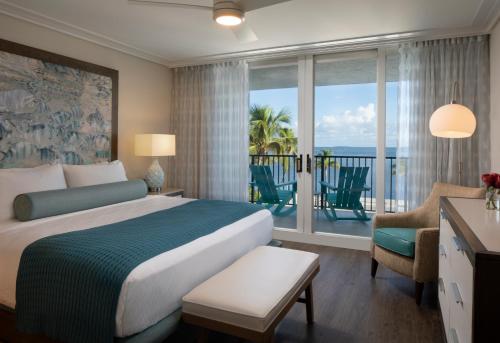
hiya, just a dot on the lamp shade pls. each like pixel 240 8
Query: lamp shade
pixel 154 145
pixel 452 121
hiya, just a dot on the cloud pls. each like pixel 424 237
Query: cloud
pixel 357 128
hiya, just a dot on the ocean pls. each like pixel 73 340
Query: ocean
pixel 355 151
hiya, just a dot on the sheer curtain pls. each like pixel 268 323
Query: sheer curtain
pixel 427 72
pixel 210 119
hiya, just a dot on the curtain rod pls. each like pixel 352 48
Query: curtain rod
pixel 345 45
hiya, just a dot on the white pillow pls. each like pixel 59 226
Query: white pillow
pixel 94 174
pixel 17 181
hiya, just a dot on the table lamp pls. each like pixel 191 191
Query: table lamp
pixel 155 146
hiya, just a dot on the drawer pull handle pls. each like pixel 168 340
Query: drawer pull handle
pixel 456 293
pixel 454 336
pixel 441 285
pixel 442 250
pixel 456 242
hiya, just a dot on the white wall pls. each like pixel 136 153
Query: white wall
pixel 144 87
pixel 495 98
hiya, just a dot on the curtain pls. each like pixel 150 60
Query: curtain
pixel 427 73
pixel 210 120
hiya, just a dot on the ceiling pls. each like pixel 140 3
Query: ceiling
pixel 175 35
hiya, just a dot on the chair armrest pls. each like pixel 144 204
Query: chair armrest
pixel 328 185
pixel 286 183
pixel 290 183
pixel 425 267
pixel 362 189
pixel 401 220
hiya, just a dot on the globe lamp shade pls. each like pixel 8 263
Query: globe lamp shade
pixel 452 121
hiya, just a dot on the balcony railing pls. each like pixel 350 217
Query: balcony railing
pixel 326 168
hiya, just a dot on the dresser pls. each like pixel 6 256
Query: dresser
pixel 469 271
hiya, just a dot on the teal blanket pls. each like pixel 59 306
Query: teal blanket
pixel 68 285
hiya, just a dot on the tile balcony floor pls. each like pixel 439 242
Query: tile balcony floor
pixel 322 224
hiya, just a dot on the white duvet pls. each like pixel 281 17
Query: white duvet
pixel 153 289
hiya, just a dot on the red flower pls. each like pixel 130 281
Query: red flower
pixel 490 180
pixel 497 181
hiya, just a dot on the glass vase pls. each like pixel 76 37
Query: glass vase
pixel 492 199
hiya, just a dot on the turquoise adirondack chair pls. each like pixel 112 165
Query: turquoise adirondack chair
pixel 347 194
pixel 270 196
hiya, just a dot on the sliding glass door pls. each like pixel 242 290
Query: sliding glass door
pixel 273 135
pixel 322 149
pixel 345 141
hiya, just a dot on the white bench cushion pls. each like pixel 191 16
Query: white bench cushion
pixel 252 291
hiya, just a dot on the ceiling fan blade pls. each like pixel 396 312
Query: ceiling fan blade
pixel 244 33
pixel 250 5
pixel 184 4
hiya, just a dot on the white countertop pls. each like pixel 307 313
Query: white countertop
pixel 484 223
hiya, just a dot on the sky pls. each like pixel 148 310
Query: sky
pixel 345 115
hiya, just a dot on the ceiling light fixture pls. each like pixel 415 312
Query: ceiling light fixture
pixel 228 13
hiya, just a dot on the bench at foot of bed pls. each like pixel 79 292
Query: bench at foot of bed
pixel 250 297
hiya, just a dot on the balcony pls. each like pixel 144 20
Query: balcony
pixel 326 168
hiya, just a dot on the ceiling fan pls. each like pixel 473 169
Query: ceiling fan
pixel 230 13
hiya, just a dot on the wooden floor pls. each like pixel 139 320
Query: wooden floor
pixel 350 306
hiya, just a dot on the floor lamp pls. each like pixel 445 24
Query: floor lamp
pixel 453 121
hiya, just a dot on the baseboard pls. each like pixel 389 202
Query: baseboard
pixel 327 239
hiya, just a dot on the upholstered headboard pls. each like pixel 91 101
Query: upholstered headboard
pixel 55 109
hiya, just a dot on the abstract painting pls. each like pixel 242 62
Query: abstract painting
pixel 51 112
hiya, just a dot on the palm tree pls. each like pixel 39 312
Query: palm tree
pixel 267 133
pixel 329 162
pixel 288 141
pixel 326 163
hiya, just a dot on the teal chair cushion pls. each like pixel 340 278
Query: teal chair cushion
pixel 398 240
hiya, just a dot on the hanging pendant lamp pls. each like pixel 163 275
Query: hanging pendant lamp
pixel 452 120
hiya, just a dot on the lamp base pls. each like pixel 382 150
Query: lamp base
pixel 155 176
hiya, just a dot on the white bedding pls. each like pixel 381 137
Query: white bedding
pixel 153 289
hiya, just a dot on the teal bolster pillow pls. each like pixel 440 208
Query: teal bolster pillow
pixel 36 205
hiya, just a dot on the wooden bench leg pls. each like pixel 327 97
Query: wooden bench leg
pixel 202 336
pixel 268 337
pixel 309 304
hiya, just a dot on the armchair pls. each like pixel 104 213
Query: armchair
pixel 422 263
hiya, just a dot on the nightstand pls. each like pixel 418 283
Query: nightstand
pixel 170 192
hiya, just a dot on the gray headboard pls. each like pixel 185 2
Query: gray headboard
pixel 55 108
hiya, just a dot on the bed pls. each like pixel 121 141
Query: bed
pixel 153 290
pixel 67 142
